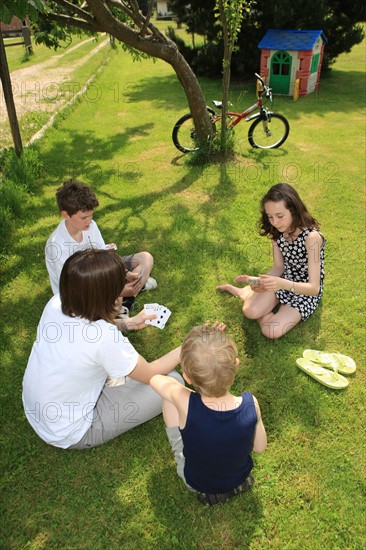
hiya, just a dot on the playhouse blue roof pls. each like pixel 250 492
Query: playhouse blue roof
pixel 290 40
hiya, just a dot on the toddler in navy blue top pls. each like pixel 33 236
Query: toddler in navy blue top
pixel 211 431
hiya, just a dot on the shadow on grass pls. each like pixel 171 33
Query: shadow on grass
pixel 79 152
pixel 283 391
pixel 72 497
pixel 185 249
pixel 230 525
pixel 337 92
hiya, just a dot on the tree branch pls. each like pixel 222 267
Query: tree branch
pixel 136 17
pixel 118 4
pixel 72 8
pixel 147 18
pixel 67 20
pixel 135 6
pixel 158 34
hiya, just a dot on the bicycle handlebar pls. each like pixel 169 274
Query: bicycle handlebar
pixel 259 78
pixel 266 89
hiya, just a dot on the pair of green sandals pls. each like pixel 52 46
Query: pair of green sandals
pixel 327 368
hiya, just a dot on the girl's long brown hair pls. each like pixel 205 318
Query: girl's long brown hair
pixel 300 215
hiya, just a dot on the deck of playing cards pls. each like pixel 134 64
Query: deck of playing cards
pixel 162 314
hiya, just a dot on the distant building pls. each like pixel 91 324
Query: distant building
pixel 14 28
pixel 162 11
pixel 292 60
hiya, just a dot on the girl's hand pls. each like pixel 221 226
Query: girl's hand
pixel 137 322
pixel 246 279
pixel 270 282
pixel 242 279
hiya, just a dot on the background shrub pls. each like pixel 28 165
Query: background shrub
pixel 19 176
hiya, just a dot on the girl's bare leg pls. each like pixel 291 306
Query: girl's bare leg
pixel 275 325
pixel 256 304
pixel 260 305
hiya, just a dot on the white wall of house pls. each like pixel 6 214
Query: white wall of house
pixel 162 9
pixel 314 76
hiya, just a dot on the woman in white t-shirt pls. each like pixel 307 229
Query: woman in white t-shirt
pixel 78 347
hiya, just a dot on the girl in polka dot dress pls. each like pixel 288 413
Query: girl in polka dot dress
pixel 295 281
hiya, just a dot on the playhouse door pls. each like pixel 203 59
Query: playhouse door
pixel 280 75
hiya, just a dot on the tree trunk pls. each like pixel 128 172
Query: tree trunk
pixel 195 97
pixel 9 99
pixel 225 95
pixel 158 45
pixel 226 73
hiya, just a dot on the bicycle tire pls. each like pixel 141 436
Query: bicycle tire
pixel 279 128
pixel 184 133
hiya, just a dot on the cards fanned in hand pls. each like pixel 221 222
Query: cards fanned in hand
pixel 162 314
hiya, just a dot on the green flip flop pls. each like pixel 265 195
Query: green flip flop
pixel 343 363
pixel 324 376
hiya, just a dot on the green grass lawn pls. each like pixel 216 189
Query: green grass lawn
pixel 200 225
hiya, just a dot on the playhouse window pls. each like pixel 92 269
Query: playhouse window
pixel 315 63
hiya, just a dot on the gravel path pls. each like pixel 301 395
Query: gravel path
pixel 38 88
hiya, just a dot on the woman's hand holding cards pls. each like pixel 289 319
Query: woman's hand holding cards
pixel 137 322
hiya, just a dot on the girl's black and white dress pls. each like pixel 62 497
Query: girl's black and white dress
pixel 295 261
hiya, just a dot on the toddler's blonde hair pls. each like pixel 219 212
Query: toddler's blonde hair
pixel 208 357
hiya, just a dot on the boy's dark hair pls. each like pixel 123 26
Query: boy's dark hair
pixel 74 196
pixel 90 283
pixel 300 215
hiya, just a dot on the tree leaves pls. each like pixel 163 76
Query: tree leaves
pixel 20 8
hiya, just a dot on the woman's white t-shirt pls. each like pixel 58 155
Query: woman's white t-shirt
pixel 67 369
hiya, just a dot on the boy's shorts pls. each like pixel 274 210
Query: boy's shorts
pixel 176 443
pixel 128 261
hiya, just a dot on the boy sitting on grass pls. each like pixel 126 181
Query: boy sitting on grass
pixel 78 231
pixel 211 431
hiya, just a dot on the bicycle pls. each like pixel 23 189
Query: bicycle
pixel 268 131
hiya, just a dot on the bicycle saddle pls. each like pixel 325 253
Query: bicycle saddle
pixel 218 104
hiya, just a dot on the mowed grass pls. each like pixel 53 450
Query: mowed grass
pixel 200 225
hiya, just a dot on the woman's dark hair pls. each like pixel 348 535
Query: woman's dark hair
pixel 90 283
pixel 300 215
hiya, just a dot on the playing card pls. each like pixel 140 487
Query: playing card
pixel 111 246
pixel 151 308
pixel 162 314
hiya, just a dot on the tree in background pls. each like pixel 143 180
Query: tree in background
pixel 124 20
pixel 339 19
pixel 198 17
pixel 230 13
pixel 9 8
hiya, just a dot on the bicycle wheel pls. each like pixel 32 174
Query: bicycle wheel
pixel 278 131
pixel 184 134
